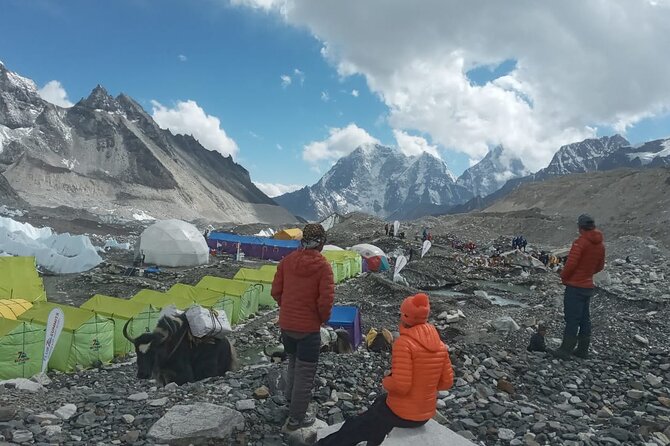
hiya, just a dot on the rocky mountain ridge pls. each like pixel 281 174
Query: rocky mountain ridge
pixel 379 180
pixel 107 155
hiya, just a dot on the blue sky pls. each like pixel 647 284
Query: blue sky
pixel 230 61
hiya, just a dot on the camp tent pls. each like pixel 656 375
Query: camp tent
pixel 257 247
pixel 160 300
pixel 263 279
pixel 347 264
pixel 331 248
pixel 19 279
pixel 245 295
pixel 366 250
pixel 13 308
pixel 289 234
pixel 21 348
pixel 173 243
pixel 87 337
pixel 206 298
pixel 374 258
pixel 143 318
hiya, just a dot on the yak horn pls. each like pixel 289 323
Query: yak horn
pixel 125 331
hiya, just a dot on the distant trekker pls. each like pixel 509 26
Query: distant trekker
pixel 386 229
pixel 304 289
pixel 586 258
pixel 537 341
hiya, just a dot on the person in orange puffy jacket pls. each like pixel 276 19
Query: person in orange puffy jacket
pixel 304 288
pixel 586 258
pixel 420 366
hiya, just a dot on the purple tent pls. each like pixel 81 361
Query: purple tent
pixel 257 247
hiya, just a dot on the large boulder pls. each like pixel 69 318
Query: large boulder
pixel 430 434
pixel 196 424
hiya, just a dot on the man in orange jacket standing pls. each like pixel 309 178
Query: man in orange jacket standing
pixel 420 366
pixel 586 258
pixel 304 288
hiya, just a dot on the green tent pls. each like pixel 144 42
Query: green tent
pixel 263 279
pixel 245 295
pixel 349 263
pixel 143 318
pixel 86 338
pixel 19 279
pixel 21 348
pixel 207 298
pixel 160 300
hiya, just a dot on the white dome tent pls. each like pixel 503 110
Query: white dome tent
pixel 173 243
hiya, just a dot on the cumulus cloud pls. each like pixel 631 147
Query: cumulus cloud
pixel 188 118
pixel 325 97
pixel 277 189
pixel 55 93
pixel 182 58
pixel 413 145
pixel 589 63
pixel 340 142
pixel 354 93
pixel 285 80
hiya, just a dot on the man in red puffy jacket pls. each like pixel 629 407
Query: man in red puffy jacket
pixel 586 258
pixel 304 288
pixel 420 366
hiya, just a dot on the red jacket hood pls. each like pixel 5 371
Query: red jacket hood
pixel 425 335
pixel 594 236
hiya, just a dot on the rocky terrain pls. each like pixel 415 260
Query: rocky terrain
pixel 503 395
pixel 108 156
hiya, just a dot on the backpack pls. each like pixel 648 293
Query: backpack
pixel 378 341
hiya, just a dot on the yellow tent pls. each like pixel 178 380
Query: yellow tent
pixel 19 279
pixel 13 308
pixel 289 234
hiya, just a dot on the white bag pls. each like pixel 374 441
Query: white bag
pixel 170 311
pixel 205 322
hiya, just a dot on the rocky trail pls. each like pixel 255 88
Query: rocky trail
pixel 503 395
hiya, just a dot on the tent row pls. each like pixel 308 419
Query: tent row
pixel 93 333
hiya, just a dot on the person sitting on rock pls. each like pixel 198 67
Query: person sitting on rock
pixel 304 289
pixel 537 342
pixel 420 366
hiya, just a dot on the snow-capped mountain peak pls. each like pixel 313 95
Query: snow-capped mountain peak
pixel 379 180
pixel 583 156
pixel 492 172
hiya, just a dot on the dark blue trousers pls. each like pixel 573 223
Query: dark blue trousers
pixel 576 303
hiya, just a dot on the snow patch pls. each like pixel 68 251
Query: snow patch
pixel 58 253
pixel 143 216
pixel 269 232
pixel 648 157
pixel 4 210
pixel 70 164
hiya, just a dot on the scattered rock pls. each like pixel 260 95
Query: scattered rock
pixel 66 412
pixel 23 384
pixel 128 419
pixel 86 419
pixel 7 413
pixel 158 402
pixel 506 386
pixel 245 405
pixel 22 436
pixel 139 396
pixel 262 393
pixel 641 340
pixel 186 424
pixel 505 323
pixel 506 434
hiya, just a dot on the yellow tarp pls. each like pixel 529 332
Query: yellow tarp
pixel 13 308
pixel 19 279
pixel 289 234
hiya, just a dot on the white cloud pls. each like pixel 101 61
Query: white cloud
pixel 589 63
pixel 285 80
pixel 279 147
pixel 182 58
pixel 414 145
pixel 299 75
pixel 354 93
pixel 340 142
pixel 325 97
pixel 255 135
pixel 277 189
pixel 55 93
pixel 188 118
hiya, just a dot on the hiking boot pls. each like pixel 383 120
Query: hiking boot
pixel 293 424
pixel 567 347
pixel 582 350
